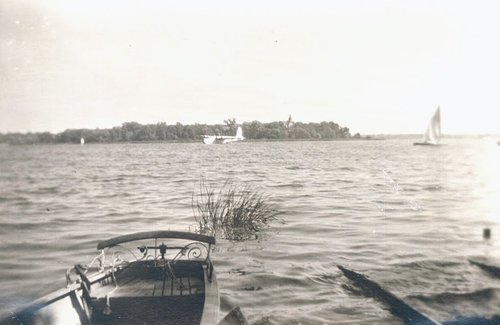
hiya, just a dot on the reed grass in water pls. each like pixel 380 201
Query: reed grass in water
pixel 236 212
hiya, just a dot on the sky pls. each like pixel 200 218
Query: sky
pixel 377 67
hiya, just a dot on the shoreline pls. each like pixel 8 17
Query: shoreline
pixel 195 141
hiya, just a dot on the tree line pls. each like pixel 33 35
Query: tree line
pixel 136 132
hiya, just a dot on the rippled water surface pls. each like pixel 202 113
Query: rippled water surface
pixel 407 216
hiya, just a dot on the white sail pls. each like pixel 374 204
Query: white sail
pixel 82 141
pixel 239 133
pixel 433 133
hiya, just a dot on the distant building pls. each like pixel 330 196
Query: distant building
pixel 289 123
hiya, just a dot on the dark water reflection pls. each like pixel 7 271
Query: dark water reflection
pixel 408 217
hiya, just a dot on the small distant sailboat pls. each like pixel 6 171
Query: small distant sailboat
pixel 432 135
pixel 82 141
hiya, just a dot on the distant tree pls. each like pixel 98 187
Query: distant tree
pixel 161 131
pixel 172 132
pixel 133 131
pixel 45 137
pixel 251 130
pixel 231 124
pixel 344 132
pixel 69 136
pixel 130 131
pixel 115 134
pixel 299 132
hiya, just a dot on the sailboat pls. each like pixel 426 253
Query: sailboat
pixel 433 133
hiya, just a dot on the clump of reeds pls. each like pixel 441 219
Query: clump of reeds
pixel 236 212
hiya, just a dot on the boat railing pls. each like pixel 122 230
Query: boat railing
pixel 197 249
pixel 156 235
pixel 192 251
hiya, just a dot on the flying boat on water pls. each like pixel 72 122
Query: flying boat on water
pixel 155 277
pixel 223 139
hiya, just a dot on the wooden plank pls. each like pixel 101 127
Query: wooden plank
pixel 62 293
pixel 212 302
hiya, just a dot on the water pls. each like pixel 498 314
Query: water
pixel 407 216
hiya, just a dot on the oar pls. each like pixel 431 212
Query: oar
pixel 397 307
pixel 493 270
pixel 235 317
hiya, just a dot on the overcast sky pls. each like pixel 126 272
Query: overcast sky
pixel 373 66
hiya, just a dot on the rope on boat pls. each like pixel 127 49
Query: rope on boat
pixel 99 258
pixel 107 309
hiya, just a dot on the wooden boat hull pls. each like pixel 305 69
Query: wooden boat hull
pixel 155 289
pixel 189 298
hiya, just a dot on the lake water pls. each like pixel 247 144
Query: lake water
pixel 407 216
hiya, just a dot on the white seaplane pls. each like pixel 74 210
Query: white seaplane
pixel 223 139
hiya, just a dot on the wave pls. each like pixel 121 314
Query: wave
pixel 20 225
pixel 464 320
pixel 293 167
pixel 433 188
pixel 346 168
pixel 429 264
pixel 289 185
pixel 337 204
pixel 327 278
pixel 450 298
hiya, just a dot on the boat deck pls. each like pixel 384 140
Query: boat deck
pixel 149 294
pixel 151 310
pixel 144 279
